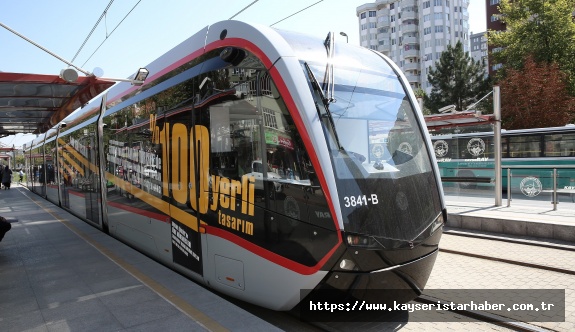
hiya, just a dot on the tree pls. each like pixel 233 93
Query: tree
pixel 457 80
pixel 420 94
pixel 543 28
pixel 535 97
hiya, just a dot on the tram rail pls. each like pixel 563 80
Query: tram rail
pixel 531 242
pixel 484 316
pixel 511 261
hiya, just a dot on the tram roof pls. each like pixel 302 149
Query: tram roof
pixel 34 103
pixel 457 119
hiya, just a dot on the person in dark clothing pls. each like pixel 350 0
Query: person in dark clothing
pixel 6 177
pixel 5 226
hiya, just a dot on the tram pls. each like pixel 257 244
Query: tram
pixel 265 164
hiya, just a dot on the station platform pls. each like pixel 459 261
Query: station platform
pixel 523 217
pixel 58 273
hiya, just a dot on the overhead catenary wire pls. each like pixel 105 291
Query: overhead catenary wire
pixel 93 29
pixel 283 19
pixel 306 8
pixel 246 7
pixel 108 35
pixel 111 32
pixel 44 49
pixel 103 15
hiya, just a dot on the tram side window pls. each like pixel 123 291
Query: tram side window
pixel 241 132
pixel 524 146
pixel 560 145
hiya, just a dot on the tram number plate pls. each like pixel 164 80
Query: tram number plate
pixel 360 200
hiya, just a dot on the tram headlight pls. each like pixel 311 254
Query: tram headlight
pixel 356 240
pixel 437 223
pixel 346 264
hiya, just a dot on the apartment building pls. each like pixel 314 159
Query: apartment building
pixel 478 49
pixel 493 22
pixel 414 33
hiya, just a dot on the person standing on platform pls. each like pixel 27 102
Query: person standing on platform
pixel 5 226
pixel 6 177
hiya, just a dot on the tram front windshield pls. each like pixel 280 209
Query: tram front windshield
pixel 384 174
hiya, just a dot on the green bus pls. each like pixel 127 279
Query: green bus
pixel 466 161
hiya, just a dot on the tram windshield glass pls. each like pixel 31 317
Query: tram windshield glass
pixel 383 170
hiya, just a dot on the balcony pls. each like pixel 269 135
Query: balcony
pixel 382 24
pixel 409 28
pixel 410 40
pixel 384 48
pixel 385 36
pixel 411 53
pixel 407 3
pixel 412 78
pixel 383 12
pixel 381 3
pixel 409 15
pixel 410 66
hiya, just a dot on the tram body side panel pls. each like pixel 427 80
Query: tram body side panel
pixel 136 212
pixel 78 173
pixel 249 252
pixel 242 274
pixel 139 213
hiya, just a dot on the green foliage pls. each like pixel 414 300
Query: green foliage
pixel 457 80
pixel 420 94
pixel 543 28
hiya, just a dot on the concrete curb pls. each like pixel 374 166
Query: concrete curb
pixel 513 227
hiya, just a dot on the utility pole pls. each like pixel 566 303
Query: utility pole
pixel 497 143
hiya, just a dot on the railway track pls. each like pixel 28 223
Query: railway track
pixel 532 242
pixel 556 246
pixel 485 316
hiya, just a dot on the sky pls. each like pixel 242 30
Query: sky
pixel 133 33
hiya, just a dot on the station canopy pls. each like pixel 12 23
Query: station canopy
pixel 436 122
pixel 34 103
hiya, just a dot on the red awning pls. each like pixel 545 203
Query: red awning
pixel 33 103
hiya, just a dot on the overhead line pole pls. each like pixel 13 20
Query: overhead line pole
pixel 497 147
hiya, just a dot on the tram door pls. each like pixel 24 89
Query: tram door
pixel 91 183
pixel 183 140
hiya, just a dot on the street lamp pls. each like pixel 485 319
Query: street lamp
pixel 345 35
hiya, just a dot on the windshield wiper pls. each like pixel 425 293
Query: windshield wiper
pixel 316 86
pixel 325 102
pixel 328 81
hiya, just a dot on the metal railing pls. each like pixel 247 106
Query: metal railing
pixel 554 191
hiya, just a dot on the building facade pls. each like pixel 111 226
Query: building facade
pixel 413 33
pixel 494 23
pixel 478 49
